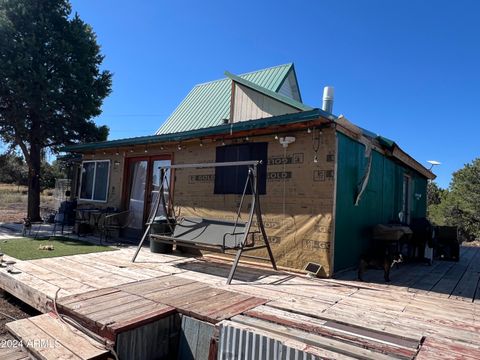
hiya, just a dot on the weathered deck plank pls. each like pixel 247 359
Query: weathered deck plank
pixel 109 311
pixel 313 339
pixel 46 337
pixel 13 353
pixel 362 337
pixel 466 287
pixel 449 281
pixel 107 291
pixel 436 349
pixel 94 311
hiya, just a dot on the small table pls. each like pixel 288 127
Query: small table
pixel 85 216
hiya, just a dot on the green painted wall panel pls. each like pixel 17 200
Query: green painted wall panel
pixel 381 202
pixel 419 208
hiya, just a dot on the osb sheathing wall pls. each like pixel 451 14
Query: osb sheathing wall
pixel 298 205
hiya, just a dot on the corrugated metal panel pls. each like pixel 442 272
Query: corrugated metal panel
pixel 156 340
pixel 238 344
pixel 195 339
pixel 209 103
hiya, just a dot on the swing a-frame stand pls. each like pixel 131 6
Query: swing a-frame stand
pixel 215 234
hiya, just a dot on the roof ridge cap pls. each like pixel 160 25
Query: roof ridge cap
pixel 244 74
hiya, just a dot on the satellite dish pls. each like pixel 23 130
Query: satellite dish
pixel 433 163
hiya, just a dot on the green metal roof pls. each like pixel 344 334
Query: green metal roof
pixel 386 142
pixel 284 99
pixel 224 129
pixel 208 104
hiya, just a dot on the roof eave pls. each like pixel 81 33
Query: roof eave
pixel 224 129
pixel 401 155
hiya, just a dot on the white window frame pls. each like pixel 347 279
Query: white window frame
pixel 94 178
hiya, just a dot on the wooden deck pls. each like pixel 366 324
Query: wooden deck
pixel 110 311
pixel 40 334
pixel 14 353
pixel 425 312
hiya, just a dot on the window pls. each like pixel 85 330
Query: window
pixel 231 179
pixel 94 180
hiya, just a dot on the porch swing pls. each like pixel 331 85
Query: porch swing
pixel 216 235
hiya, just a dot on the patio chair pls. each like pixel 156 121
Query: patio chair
pixel 36 227
pixel 114 223
pixel 64 216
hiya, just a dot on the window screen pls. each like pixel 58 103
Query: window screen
pixel 231 179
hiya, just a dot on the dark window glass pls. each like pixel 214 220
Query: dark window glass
pixel 101 181
pixel 94 180
pixel 88 171
pixel 231 179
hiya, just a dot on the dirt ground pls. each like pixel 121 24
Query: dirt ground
pixel 12 215
pixel 13 202
pixel 12 309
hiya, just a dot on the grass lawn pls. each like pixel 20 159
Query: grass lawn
pixel 28 249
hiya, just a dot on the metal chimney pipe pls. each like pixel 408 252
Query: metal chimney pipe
pixel 327 104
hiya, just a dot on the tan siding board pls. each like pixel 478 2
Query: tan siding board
pixel 250 104
pixel 289 87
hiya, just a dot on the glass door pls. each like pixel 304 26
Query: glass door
pixel 137 180
pixel 155 186
pixel 142 189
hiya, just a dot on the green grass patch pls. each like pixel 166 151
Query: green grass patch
pixel 29 249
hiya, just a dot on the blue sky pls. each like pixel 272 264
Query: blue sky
pixel 408 70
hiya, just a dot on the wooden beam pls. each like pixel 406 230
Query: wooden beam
pixel 29 295
pixel 411 162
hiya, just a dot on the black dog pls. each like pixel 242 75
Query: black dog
pixel 385 262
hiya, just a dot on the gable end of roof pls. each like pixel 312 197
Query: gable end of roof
pixel 207 104
pixel 279 97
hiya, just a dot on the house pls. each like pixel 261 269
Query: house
pixel 322 189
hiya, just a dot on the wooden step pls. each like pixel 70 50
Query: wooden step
pixel 237 341
pixel 397 346
pixel 341 348
pixel 12 352
pixel 47 337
